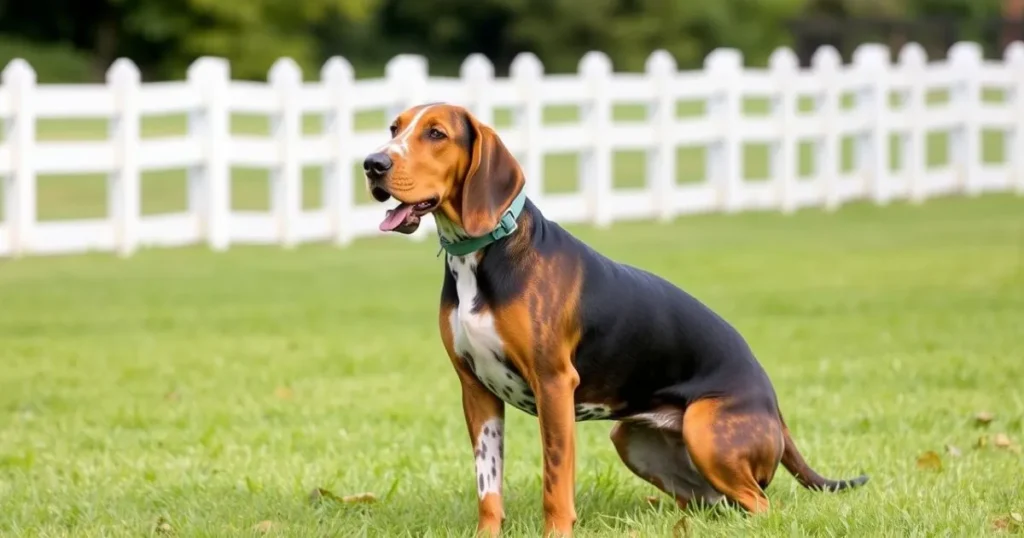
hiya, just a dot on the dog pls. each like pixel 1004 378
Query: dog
pixel 532 317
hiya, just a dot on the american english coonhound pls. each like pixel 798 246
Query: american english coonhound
pixel 532 317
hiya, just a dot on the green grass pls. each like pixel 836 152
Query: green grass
pixel 84 195
pixel 215 391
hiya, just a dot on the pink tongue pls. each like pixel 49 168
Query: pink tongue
pixel 395 217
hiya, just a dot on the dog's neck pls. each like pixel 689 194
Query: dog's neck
pixel 458 242
pixel 448 230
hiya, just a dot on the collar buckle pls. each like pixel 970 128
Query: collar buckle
pixel 507 224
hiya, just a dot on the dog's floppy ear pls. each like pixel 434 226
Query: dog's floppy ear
pixel 493 179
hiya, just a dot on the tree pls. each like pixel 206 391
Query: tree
pixel 164 36
pixel 561 31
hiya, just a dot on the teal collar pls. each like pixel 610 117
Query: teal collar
pixel 506 226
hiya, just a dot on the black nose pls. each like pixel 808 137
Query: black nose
pixel 377 164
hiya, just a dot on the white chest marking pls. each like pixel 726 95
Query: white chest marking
pixel 478 342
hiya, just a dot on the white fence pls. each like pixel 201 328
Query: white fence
pixel 209 151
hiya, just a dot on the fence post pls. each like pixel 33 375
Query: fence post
pixel 826 63
pixel 913 61
pixel 408 73
pixel 286 128
pixel 338 79
pixel 20 184
pixel 123 184
pixel 596 117
pixel 965 59
pixel 871 61
pixel 528 74
pixel 661 159
pixel 1014 60
pixel 725 156
pixel 477 74
pixel 785 68
pixel 209 188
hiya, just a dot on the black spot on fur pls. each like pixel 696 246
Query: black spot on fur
pixel 480 482
pixel 487 430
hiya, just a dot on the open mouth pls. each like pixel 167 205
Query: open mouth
pixel 406 217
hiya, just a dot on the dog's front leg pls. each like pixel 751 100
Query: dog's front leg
pixel 556 411
pixel 485 420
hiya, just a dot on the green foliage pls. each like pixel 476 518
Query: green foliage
pixel 255 33
pixel 561 31
pixel 966 9
pixel 165 36
pixel 54 62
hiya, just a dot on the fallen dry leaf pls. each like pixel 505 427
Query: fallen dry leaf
pixel 681 528
pixel 320 494
pixel 359 498
pixel 1002 440
pixel 263 526
pixel 929 460
pixel 283 393
pixel 162 526
pixel 1011 522
pixel 983 418
pixel 953 451
pixel 172 396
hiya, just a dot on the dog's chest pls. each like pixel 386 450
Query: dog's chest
pixel 477 341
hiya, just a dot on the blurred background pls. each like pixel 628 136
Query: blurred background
pixel 76 40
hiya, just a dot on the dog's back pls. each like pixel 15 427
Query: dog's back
pixel 645 341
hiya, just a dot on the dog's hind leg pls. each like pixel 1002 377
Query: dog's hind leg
pixel 658 456
pixel 736 447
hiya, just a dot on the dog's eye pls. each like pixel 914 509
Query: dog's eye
pixel 435 134
pixel 393 129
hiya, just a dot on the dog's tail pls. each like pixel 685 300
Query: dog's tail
pixel 794 462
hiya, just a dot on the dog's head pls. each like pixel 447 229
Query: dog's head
pixel 442 159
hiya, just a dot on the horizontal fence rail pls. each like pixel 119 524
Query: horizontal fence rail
pixel 827 135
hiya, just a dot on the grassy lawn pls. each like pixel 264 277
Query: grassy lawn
pixel 186 393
